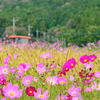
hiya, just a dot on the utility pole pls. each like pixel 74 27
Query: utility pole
pixel 37 31
pixel 48 37
pixel 44 35
pixel 52 39
pixel 14 25
pixel 29 29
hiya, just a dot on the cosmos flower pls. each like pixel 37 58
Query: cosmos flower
pixel 70 63
pixel 35 79
pixel 83 74
pixel 62 81
pixel 97 74
pixel 95 86
pixel 88 66
pixel 62 97
pixel 30 91
pixel 12 91
pixel 84 59
pixel 2 80
pixel 52 66
pixel 88 89
pixel 4 69
pixel 27 80
pixel 38 95
pixel 52 80
pixel 92 57
pixel 15 55
pixel 65 69
pixel 13 70
pixel 46 56
pixel 71 78
pixel 61 73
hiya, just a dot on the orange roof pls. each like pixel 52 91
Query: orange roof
pixel 16 36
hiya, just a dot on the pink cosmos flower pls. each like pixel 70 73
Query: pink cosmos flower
pixel 40 64
pixel 88 89
pixel 15 55
pixel 70 64
pixel 3 98
pixel 27 80
pixel 12 91
pixel 41 69
pixel 13 70
pixel 20 70
pixel 35 79
pixel 62 81
pixel 7 35
pixel 97 74
pixel 95 86
pixel 52 66
pixel 92 57
pixel 84 59
pixel 4 69
pixel 4 38
pixel 62 97
pixel 48 70
pixel 52 80
pixel 28 66
pixel 38 95
pixel 46 56
pixel 7 41
pixel 71 78
pixel 88 66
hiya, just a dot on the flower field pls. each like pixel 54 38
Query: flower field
pixel 41 71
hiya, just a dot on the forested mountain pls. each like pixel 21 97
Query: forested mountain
pixel 69 16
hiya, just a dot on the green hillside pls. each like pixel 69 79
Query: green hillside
pixel 69 16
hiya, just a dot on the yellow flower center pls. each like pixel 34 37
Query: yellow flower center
pixel 1 79
pixel 41 96
pixel 49 66
pixel 28 67
pixel 46 56
pixel 43 69
pixel 85 60
pixel 97 86
pixel 11 93
pixel 30 91
pixel 51 82
pixel 38 71
pixel 5 70
pixel 62 82
pixel 73 93
pixel 70 97
pixel 17 69
pixel 72 65
pixel 92 58
pixel 28 81
pixel 13 70
pixel 66 68
pixel 85 81
pixel 62 74
pixel 99 75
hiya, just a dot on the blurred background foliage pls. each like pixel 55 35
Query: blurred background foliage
pixel 59 16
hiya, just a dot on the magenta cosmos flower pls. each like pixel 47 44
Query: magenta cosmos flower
pixel 12 91
pixel 30 91
pixel 65 69
pixel 92 57
pixel 62 81
pixel 2 80
pixel 38 95
pixel 84 59
pixel 70 64
pixel 27 80
pixel 97 74
pixel 46 56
